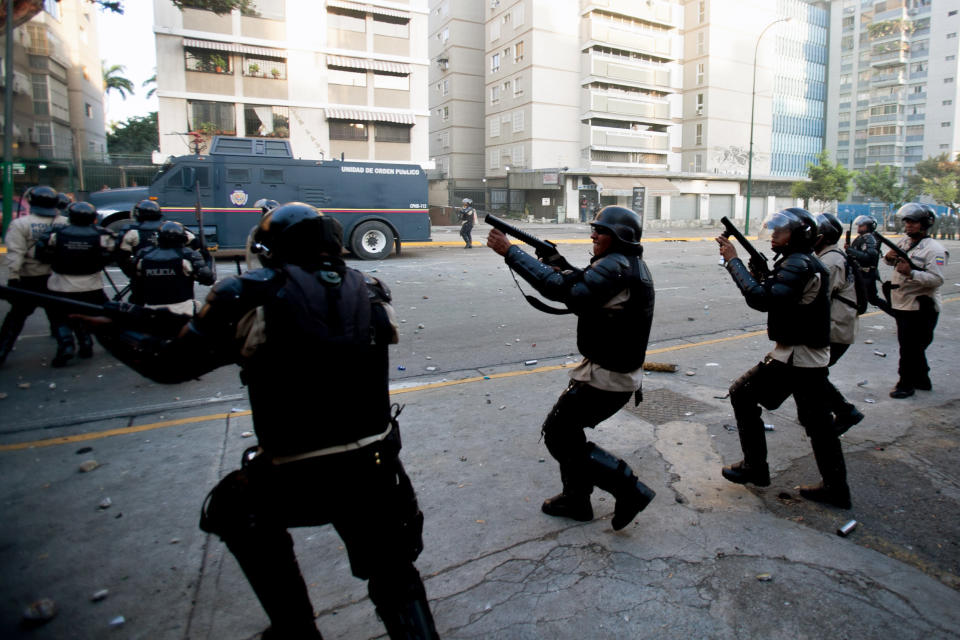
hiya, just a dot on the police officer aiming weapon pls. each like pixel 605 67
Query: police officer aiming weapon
pixel 544 249
pixel 900 252
pixel 758 261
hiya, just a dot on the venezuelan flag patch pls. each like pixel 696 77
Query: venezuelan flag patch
pixel 940 261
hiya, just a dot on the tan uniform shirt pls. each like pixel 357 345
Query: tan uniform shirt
pixel 931 255
pixel 803 356
pixel 21 238
pixel 843 317
pixel 67 283
pixel 604 379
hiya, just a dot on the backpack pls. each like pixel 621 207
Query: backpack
pixel 861 284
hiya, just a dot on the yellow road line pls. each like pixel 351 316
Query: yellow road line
pixel 423 387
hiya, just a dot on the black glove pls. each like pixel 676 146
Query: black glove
pixel 758 269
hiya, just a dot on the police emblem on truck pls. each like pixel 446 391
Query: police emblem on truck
pixel 239 197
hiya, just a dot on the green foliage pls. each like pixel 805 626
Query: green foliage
pixel 882 183
pixel 828 182
pixel 219 7
pixel 114 81
pixel 939 178
pixel 152 80
pixel 138 135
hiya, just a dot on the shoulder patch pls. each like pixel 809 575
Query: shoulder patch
pixel 940 260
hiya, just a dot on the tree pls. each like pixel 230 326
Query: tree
pixel 152 80
pixel 113 81
pixel 881 183
pixel 942 181
pixel 219 7
pixel 138 135
pixel 828 182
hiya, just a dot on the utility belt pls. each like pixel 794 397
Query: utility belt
pixel 390 437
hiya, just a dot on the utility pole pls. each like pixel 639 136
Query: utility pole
pixel 8 120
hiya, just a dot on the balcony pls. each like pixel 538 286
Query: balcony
pixel 655 12
pixel 620 36
pixel 887 79
pixel 613 139
pixel 621 105
pixel 617 69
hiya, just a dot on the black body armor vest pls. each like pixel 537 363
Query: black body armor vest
pixel 791 323
pixel 77 251
pixel 161 277
pixel 147 234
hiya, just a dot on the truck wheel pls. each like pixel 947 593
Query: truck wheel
pixel 371 241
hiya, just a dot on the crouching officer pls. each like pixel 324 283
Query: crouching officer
pixel 865 252
pixel 25 270
pixel 328 444
pixel 164 275
pixel 915 296
pixel 796 298
pixel 613 301
pixel 77 254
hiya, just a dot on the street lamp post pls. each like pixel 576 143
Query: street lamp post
pixel 753 103
pixel 507 169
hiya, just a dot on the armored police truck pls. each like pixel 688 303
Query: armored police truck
pixel 378 204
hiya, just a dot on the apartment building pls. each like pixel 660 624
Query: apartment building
pixel 894 82
pixel 336 78
pixel 58 116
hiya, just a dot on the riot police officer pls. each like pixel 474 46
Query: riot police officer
pixel 468 218
pixel 164 275
pixel 915 296
pixel 865 253
pixel 25 270
pixel 843 313
pixel 266 205
pixel 138 234
pixel 77 254
pixel 796 298
pixel 613 300
pixel 328 444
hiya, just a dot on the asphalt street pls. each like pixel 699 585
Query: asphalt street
pixel 117 549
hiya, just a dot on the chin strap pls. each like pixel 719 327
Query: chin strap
pixel 536 303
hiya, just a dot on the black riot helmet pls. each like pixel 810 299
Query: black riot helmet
pixel 867 221
pixel 829 228
pixel 63 201
pixel 467 202
pixel 82 214
pixel 622 223
pixel 916 212
pixel 43 201
pixel 266 205
pixel 146 210
pixel 296 233
pixel 172 235
pixel 801 225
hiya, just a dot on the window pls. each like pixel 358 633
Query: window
pixel 495 94
pixel 494 126
pixel 945 124
pixel 518 155
pixel 347 77
pixel 494 158
pixel 44 134
pixel 698 163
pixel 390 26
pixel 948 80
pixel 88 109
pixel 506 87
pixel 701 72
pixel 346 20
pixel 952 13
pixel 517 88
pixel 518 51
pixel 843 136
pixel 262 67
pixel 52 7
pixel 494 31
pixel 207 61
pixel 396 81
pixel 181 177
pixel 271 176
pixel 390 132
pixel 444 113
pixel 495 63
pixel 347 130
pixel 517 122
pixel 444 140
pixel 699 104
pixel 699 137
pixel 701 11
pixel 951 36
pixel 212 117
pixel 443 35
pixel 947 103
pixel 701 43
pixel 517 16
pixel 270 9
pixel 264 121
pixel 444 86
pixel 41 98
pixel 236 174
pixel 950 57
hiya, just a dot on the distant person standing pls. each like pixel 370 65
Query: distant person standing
pixel 26 271
pixel 915 296
pixel 865 252
pixel 77 254
pixel 468 217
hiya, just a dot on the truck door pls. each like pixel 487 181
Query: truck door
pixel 178 190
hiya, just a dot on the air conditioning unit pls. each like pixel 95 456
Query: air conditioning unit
pixel 444 63
pixel 699 111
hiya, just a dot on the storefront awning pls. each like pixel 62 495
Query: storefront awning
pixel 233 47
pixel 368 8
pixel 363 63
pixel 623 185
pixel 369 116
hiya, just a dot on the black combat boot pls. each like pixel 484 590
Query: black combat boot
pixel 833 490
pixel 845 419
pixel 6 345
pixel 615 476
pixel 753 468
pixel 574 502
pixel 272 570
pixel 401 603
pixel 65 346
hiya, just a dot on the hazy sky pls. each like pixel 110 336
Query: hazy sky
pixel 127 39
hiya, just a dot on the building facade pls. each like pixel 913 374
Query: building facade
pixel 893 81
pixel 336 78
pixel 58 106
